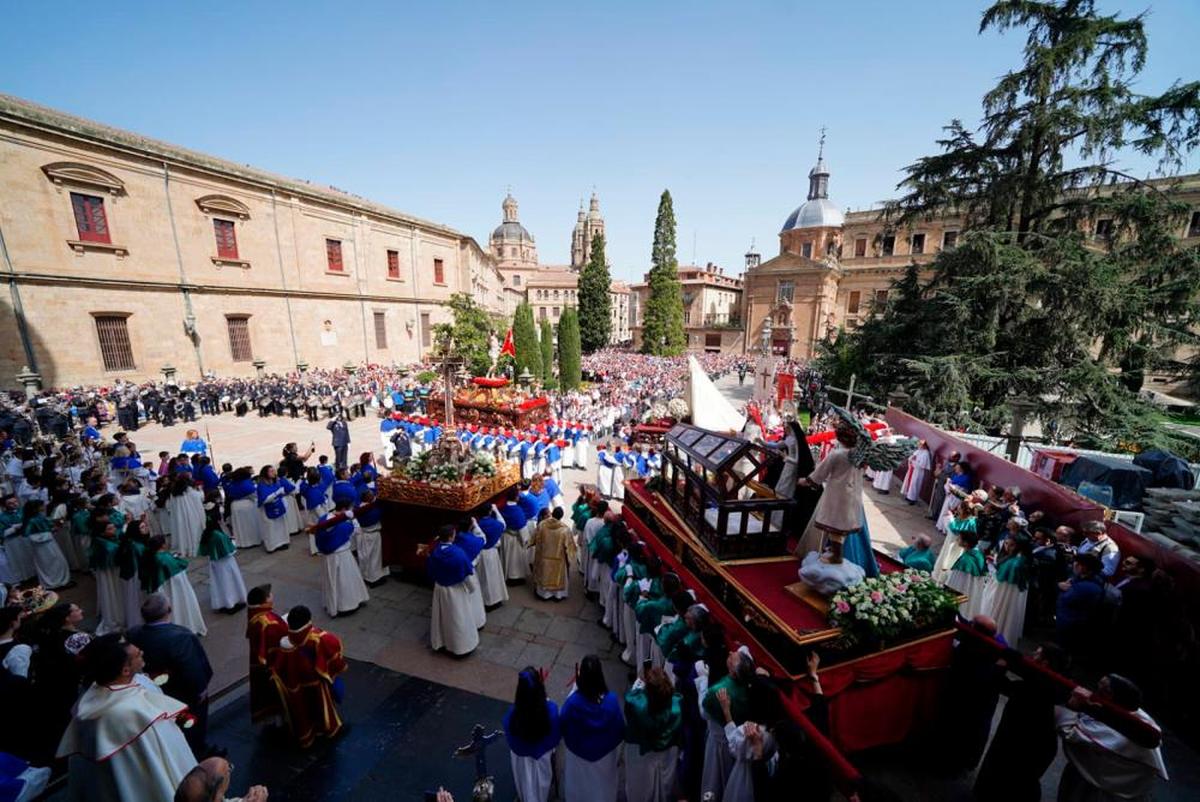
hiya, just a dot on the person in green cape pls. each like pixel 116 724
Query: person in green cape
pixel 670 630
pixel 969 574
pixel 166 573
pixel 653 732
pixel 53 571
pixel 102 560
pixel 226 587
pixel 626 581
pixel 649 607
pixel 919 555
pixel 736 686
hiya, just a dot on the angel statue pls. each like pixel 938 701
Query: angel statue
pixel 839 514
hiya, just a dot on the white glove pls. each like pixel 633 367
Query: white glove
pixel 644 585
pixel 349 515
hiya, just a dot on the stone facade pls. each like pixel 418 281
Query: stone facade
pixel 587 228
pixel 712 308
pixel 549 289
pixel 833 268
pixel 193 253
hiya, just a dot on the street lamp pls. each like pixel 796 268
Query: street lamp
pixel 898 398
pixel 259 364
pixel 526 378
pixel 30 380
pixel 302 366
pixel 349 367
pixel 168 372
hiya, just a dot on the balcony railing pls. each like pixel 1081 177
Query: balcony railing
pixel 722 320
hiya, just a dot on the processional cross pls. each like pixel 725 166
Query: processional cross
pixel 483 789
pixel 449 365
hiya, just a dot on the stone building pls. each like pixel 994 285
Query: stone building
pixel 551 288
pixel 126 254
pixel 620 295
pixel 712 308
pixel 835 268
pixel 587 228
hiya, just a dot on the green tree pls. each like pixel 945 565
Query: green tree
pixel 595 304
pixel 568 350
pixel 469 333
pixel 1038 298
pixel 546 343
pixel 662 321
pixel 525 340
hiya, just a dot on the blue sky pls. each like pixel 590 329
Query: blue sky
pixel 435 108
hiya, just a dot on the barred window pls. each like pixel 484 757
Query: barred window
pixel 90 220
pixel 239 338
pixel 393 264
pixel 226 239
pixel 949 240
pixel 112 331
pixel 439 271
pixel 380 330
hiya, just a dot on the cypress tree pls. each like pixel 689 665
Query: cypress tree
pixel 595 304
pixel 662 327
pixel 525 340
pixel 568 350
pixel 547 346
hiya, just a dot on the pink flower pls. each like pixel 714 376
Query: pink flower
pixel 876 596
pixel 902 587
pixel 842 607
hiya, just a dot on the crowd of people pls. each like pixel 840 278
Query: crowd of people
pixel 699 720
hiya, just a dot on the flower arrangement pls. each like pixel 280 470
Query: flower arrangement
pixel 891 606
pixel 423 468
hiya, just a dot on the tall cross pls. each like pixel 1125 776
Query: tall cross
pixel 821 144
pixel 478 748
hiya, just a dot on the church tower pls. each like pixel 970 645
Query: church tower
pixel 814 229
pixel 511 243
pixel 587 226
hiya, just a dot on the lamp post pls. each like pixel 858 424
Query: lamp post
pixel 526 378
pixel 350 367
pixel 1020 406
pixel 259 364
pixel 302 366
pixel 30 380
pixel 168 372
pixel 898 398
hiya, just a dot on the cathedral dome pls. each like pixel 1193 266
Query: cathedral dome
pixel 512 231
pixel 815 213
pixel 818 211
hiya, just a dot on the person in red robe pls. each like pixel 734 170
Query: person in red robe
pixel 305 668
pixel 265 628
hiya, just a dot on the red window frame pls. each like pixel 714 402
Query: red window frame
pixel 439 271
pixel 91 223
pixel 333 256
pixel 393 264
pixel 226 235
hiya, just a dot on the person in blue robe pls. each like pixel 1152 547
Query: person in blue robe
pixel 531 729
pixel 553 491
pixel 326 470
pixel 468 541
pixel 207 475
pixel 529 503
pixel 492 529
pixel 857 548
pixel 344 489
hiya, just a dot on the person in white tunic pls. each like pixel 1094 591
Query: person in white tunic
pixel 490 568
pixel 52 569
pixel 604 472
pixel 368 515
pixel 582 449
pixel 653 729
pixel 17 548
pixel 920 463
pixel 718 759
pixel 123 742
pixel 103 561
pixel 226 587
pixel 618 473
pixel 242 494
pixel 517 534
pixel 531 729
pixel 162 572
pixel 273 522
pixel 593 730
pixel 601 517
pixel 454 624
pixel 185 506
pixel 342 586
pixel 1102 763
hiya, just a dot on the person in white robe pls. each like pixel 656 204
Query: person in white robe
pixel 342 586
pixel 593 730
pixel 76 560
pixel 243 509
pixel 52 569
pixel 1103 764
pixel 531 730
pixel 748 743
pixel 920 463
pixel 1005 594
pixel 514 545
pixel 653 728
pixel 226 586
pixel 273 510
pixel 102 559
pixel 163 572
pixel 454 624
pixel 124 742
pixel 598 521
pixel 618 474
pixel 17 548
pixel 583 445
pixel 185 507
pixel 368 516
pixel 568 451
pixel 604 472
pixel 489 567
